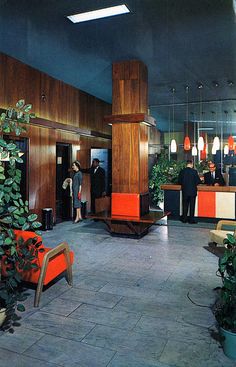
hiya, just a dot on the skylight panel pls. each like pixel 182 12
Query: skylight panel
pixel 97 14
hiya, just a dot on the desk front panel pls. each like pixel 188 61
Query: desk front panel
pixel 209 204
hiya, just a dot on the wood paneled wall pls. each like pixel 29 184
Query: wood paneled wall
pixel 51 99
pixel 129 93
pixel 56 101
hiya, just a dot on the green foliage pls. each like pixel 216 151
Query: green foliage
pixel 202 166
pixel 225 312
pixel 163 172
pixel 15 256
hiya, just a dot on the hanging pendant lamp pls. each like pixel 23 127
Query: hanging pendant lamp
pixel 213 151
pixel 216 143
pixel 194 148
pixel 226 149
pixel 231 138
pixel 231 142
pixel 194 151
pixel 187 143
pixel 216 140
pixel 173 144
pixel 200 143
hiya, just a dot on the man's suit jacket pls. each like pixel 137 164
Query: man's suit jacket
pixel 189 179
pixel 97 180
pixel 208 180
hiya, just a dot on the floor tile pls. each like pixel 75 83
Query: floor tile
pixel 58 325
pixel 116 339
pixel 93 298
pixel 70 353
pixel 21 340
pixel 10 359
pixel 99 315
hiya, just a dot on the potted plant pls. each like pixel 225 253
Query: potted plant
pixel 225 310
pixel 16 255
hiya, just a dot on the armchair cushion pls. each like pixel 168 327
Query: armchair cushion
pixel 56 266
pixel 218 235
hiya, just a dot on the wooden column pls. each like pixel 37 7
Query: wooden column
pixel 130 123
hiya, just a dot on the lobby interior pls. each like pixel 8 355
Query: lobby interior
pixel 138 299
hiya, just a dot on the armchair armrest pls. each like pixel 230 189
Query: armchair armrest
pixel 226 223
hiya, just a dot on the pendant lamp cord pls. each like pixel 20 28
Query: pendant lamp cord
pixel 187 111
pixel 173 112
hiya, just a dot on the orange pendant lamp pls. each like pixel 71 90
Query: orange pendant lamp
pixel 187 143
pixel 231 138
pixel 231 142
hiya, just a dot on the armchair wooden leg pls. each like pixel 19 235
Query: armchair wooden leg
pixel 61 248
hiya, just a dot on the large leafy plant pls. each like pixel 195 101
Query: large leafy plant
pixel 163 172
pixel 15 255
pixel 225 311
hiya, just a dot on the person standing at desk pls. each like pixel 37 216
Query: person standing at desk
pixel 97 182
pixel 188 179
pixel 213 177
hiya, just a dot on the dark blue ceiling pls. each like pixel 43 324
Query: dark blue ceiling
pixel 182 43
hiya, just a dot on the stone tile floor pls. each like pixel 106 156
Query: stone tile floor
pixel 128 306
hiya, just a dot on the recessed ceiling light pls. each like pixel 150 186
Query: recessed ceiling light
pixel 97 14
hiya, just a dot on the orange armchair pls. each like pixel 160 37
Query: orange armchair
pixel 51 263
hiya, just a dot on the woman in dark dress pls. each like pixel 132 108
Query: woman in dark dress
pixel 76 189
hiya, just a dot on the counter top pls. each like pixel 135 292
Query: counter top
pixel 201 188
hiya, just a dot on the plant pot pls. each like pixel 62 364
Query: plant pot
pixel 229 343
pixel 2 315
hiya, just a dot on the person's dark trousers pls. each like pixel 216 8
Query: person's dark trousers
pixel 93 203
pixel 192 209
pixel 188 201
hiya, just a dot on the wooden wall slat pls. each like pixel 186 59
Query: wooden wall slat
pixel 125 158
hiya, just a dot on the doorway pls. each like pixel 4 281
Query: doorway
pixel 105 158
pixel 63 196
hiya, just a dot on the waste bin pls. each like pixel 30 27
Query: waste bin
pixel 84 209
pixel 47 219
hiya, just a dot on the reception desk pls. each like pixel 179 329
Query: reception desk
pixel 216 202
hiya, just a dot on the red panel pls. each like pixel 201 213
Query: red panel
pixel 206 204
pixel 125 205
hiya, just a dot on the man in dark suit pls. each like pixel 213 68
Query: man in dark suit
pixel 189 179
pixel 213 177
pixel 97 181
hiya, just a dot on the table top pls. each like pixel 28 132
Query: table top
pixel 201 187
pixel 151 217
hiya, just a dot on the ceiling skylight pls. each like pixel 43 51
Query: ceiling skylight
pixel 97 14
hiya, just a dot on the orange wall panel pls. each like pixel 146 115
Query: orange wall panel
pixel 206 204
pixel 126 205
